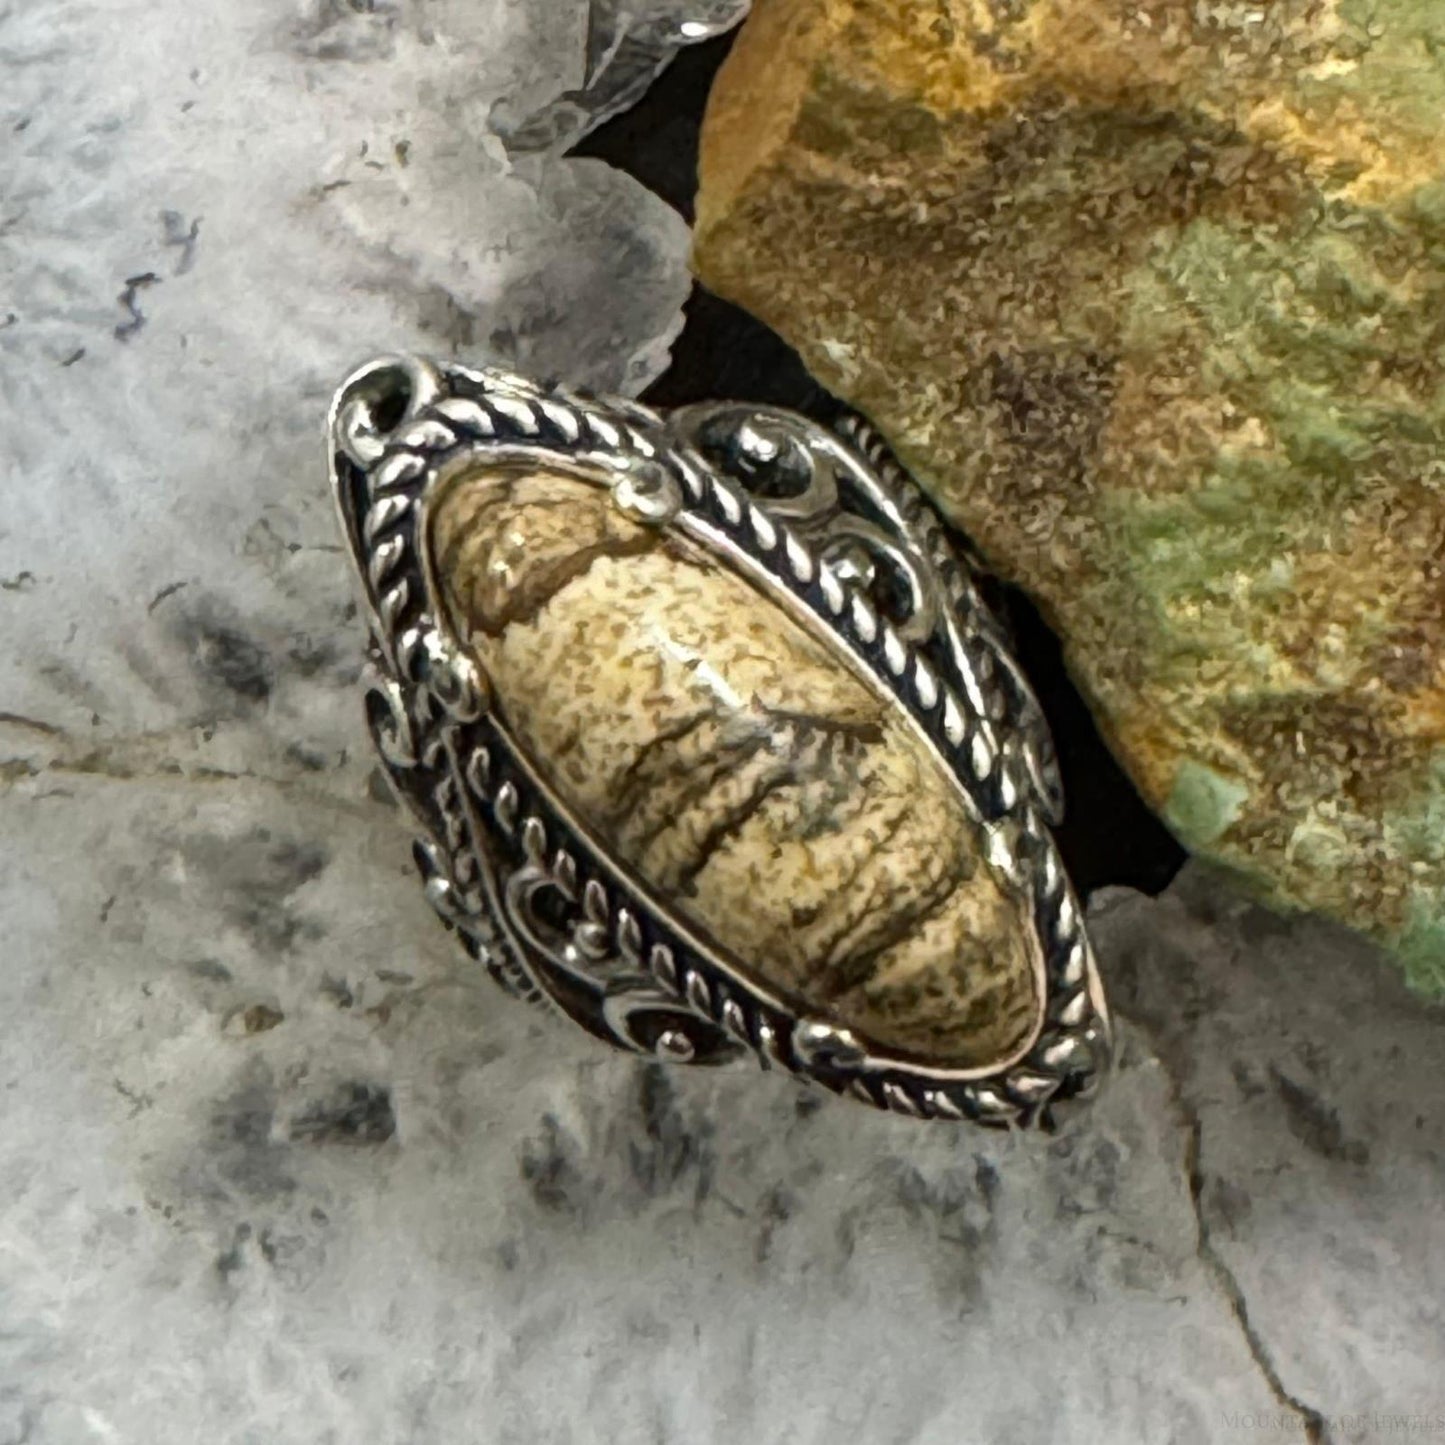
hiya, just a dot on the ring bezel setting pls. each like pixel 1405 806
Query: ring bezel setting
pixel 832 528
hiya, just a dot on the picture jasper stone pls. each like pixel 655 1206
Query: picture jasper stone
pixel 737 760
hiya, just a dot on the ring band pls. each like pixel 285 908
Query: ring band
pixel 712 742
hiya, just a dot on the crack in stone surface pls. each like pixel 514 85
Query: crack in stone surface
pixel 1314 1426
pixel 1316 1208
pixel 113 762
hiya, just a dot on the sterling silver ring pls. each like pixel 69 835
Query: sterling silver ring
pixel 712 743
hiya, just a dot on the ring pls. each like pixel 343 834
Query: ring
pixel 711 741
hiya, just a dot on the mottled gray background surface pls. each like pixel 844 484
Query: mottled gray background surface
pixel 276 1163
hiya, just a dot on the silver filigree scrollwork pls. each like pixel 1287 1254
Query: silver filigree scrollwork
pixel 827 521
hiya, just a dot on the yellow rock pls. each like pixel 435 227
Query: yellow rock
pixel 1150 294
pixel 731 756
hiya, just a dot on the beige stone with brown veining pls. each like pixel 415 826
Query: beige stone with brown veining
pixel 733 758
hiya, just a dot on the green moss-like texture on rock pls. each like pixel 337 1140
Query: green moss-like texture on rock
pixel 1151 295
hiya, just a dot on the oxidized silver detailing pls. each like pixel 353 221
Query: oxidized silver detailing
pixel 827 521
